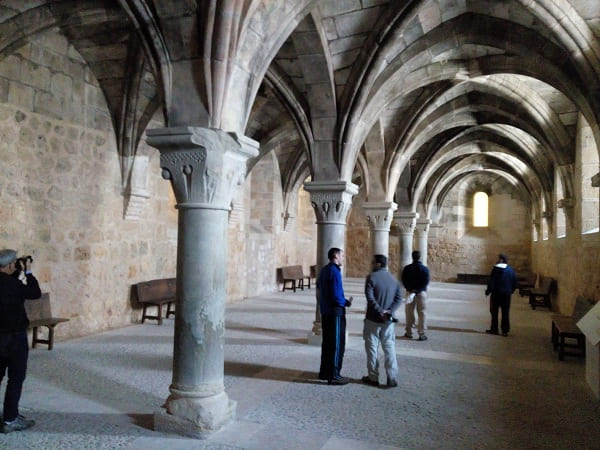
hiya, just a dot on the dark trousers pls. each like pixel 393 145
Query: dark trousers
pixel 497 302
pixel 14 350
pixel 333 346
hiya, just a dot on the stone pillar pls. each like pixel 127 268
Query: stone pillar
pixel 204 166
pixel 422 231
pixel 331 202
pixel 380 215
pixel 406 222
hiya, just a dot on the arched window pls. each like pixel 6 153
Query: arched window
pixel 480 209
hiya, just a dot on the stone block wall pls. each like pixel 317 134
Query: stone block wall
pixel 61 199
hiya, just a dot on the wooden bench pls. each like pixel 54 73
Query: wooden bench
pixel 40 315
pixel 565 333
pixel 157 293
pixel 526 284
pixel 540 296
pixel 295 276
pixel 472 278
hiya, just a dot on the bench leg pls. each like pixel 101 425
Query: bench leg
pixel 34 337
pixel 159 314
pixel 144 312
pixel 169 310
pixel 50 337
pixel 561 348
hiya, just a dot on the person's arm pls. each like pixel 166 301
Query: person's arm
pixel 370 294
pixel 397 299
pixel 338 290
pixel 490 286
pixel 31 290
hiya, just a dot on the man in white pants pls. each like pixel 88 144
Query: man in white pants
pixel 415 278
pixel 384 296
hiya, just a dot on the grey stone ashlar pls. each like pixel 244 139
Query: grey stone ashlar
pixel 407 221
pixel 204 167
pixel 379 216
pixel 331 201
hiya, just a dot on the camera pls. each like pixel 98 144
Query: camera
pixel 21 263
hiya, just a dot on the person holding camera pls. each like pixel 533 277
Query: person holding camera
pixel 384 296
pixel 14 347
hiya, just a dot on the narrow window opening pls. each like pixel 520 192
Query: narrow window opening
pixel 480 209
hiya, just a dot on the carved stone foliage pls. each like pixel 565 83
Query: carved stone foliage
pixel 331 201
pixel 406 221
pixel 204 165
pixel 380 215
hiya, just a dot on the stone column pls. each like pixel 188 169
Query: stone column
pixel 331 202
pixel 406 222
pixel 380 215
pixel 204 166
pixel 422 231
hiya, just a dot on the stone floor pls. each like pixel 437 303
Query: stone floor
pixel 460 389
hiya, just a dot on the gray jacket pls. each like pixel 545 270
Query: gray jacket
pixel 383 293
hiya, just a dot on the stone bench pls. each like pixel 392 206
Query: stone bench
pixel 565 334
pixel 295 276
pixel 39 313
pixel 157 293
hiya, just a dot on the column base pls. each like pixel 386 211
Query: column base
pixel 195 417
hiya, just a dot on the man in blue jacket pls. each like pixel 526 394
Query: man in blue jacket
pixel 332 305
pixel 502 284
pixel 14 347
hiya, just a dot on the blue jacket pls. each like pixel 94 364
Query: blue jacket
pixel 503 280
pixel 330 291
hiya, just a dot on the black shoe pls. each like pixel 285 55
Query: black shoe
pixel 18 424
pixel 338 381
pixel 408 336
pixel 391 383
pixel 491 331
pixel 422 337
pixel 322 377
pixel 370 382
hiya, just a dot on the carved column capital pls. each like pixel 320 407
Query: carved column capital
pixel 380 214
pixel 596 180
pixel 331 200
pixel 422 226
pixel 406 221
pixel 204 165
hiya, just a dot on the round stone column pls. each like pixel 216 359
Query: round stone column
pixel 331 202
pixel 380 215
pixel 422 232
pixel 204 166
pixel 406 222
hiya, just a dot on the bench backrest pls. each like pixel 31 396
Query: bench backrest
pixel 546 284
pixel 39 309
pixel 582 306
pixel 292 272
pixel 156 289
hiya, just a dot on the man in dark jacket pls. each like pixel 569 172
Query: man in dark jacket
pixel 332 305
pixel 415 278
pixel 14 347
pixel 383 298
pixel 502 284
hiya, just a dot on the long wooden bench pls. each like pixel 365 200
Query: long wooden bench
pixel 39 313
pixel 565 334
pixel 526 284
pixel 157 293
pixel 540 296
pixel 295 277
pixel 472 278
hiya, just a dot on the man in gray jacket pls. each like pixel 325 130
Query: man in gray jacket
pixel 384 296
